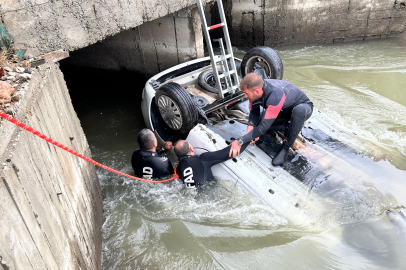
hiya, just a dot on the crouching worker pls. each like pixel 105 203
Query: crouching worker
pixel 147 162
pixel 285 108
pixel 196 170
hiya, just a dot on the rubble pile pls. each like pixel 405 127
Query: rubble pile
pixel 13 83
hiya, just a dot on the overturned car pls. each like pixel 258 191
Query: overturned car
pixel 185 102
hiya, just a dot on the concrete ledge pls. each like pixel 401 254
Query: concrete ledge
pixel 42 26
pixel 51 205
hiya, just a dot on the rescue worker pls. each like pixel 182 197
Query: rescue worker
pixel 196 170
pixel 147 162
pixel 285 107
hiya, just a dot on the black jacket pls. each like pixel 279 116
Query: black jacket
pixel 278 100
pixel 151 165
pixel 196 170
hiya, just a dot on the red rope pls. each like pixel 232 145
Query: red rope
pixel 42 136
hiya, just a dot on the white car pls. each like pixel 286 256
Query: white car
pixel 182 103
pixel 177 99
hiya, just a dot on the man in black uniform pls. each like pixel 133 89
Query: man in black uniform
pixel 196 170
pixel 285 107
pixel 146 162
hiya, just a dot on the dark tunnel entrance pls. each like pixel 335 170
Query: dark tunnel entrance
pixel 107 104
pixel 109 76
pixel 106 80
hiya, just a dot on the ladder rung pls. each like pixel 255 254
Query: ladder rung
pixel 223 75
pixel 221 59
pixel 216 26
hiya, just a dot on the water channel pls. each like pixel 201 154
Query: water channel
pixel 160 226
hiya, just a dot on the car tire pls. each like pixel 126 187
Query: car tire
pixel 266 58
pixel 207 81
pixel 177 108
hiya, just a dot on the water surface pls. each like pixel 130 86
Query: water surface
pixel 161 226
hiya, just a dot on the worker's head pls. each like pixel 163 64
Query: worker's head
pixel 251 85
pixel 146 140
pixel 183 148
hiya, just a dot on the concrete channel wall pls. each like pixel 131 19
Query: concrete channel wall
pixel 43 26
pixel 150 36
pixel 277 22
pixel 50 201
pixel 149 48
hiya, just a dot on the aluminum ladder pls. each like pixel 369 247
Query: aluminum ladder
pixel 232 86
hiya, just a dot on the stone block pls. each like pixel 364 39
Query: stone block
pixel 377 27
pixel 338 7
pixel 380 14
pixel 247 22
pixel 147 45
pixel 338 21
pixel 399 13
pixel 351 39
pixel 317 37
pixel 359 6
pixel 357 20
pixel 235 37
pixel 372 37
pixel 288 21
pixel 258 29
pixel 397 25
pixel 334 35
pixel 270 4
pixel 355 32
pixel 167 55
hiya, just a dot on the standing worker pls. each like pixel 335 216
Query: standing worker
pixel 285 107
pixel 146 161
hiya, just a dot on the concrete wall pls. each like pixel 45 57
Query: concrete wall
pixel 50 201
pixel 277 22
pixel 149 48
pixel 43 26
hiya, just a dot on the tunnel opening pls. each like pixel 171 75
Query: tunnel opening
pixel 106 80
pixel 109 76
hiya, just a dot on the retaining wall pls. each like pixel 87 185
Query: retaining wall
pixel 277 22
pixel 50 201
pixel 149 48
pixel 42 26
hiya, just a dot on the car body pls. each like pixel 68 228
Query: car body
pixel 324 152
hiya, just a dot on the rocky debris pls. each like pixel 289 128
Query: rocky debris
pixel 12 87
pixel 6 90
pixel 20 69
pixel 15 98
pixel 14 79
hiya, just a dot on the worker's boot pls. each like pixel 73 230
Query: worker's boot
pixel 281 156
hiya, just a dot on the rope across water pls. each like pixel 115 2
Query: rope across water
pixel 42 136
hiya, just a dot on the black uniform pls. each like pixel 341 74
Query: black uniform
pixel 282 102
pixel 150 165
pixel 196 170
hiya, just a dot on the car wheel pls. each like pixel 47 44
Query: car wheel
pixel 176 108
pixel 264 61
pixel 207 81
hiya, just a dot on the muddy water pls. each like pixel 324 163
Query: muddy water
pixel 359 85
